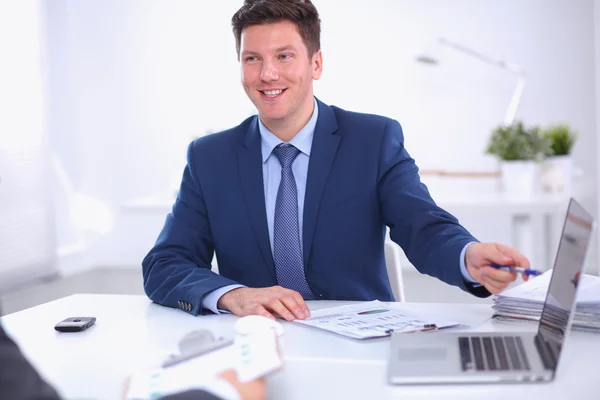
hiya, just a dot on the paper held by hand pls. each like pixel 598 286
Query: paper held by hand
pixel 251 356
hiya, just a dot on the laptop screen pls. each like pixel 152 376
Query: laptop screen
pixel 572 249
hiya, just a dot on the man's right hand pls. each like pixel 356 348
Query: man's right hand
pixel 289 304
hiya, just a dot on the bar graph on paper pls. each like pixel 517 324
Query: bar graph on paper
pixel 369 320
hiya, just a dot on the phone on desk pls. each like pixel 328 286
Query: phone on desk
pixel 75 324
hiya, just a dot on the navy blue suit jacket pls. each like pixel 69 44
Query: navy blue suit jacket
pixel 360 179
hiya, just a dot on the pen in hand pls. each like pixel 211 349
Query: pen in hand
pixel 518 270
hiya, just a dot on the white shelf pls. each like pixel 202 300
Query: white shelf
pixel 537 203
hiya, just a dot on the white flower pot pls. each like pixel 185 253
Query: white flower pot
pixel 519 177
pixel 557 174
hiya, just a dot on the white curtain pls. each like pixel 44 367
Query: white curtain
pixel 27 248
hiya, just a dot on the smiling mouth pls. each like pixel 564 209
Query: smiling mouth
pixel 272 94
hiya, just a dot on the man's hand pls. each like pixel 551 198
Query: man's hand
pixel 253 390
pixel 479 258
pixel 289 304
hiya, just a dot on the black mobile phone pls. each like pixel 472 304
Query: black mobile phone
pixel 75 324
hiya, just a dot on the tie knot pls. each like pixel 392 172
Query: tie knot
pixel 286 154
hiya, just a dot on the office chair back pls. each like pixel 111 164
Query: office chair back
pixel 394 269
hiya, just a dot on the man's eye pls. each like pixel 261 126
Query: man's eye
pixel 285 56
pixel 250 58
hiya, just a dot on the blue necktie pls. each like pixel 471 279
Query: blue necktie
pixel 287 252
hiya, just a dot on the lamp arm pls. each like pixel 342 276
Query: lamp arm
pixel 514 68
pixel 511 111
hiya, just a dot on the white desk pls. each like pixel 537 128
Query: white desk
pixel 131 334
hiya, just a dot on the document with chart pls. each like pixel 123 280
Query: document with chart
pixel 370 320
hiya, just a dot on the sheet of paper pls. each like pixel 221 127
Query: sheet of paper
pixel 191 374
pixel 251 356
pixel 258 354
pixel 369 320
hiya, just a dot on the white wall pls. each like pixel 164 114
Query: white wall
pixel 135 81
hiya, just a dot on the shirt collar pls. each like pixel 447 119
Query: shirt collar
pixel 302 141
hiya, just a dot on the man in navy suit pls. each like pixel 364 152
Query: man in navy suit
pixel 295 201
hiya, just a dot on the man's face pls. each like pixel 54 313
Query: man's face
pixel 277 72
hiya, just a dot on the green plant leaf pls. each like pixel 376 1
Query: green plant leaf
pixel 562 139
pixel 516 142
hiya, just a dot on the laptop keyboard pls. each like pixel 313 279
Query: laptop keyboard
pixel 492 353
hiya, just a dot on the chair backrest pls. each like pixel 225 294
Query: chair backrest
pixel 394 269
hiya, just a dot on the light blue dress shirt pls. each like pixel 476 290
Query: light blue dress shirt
pixel 272 177
pixel 271 169
pixel 463 267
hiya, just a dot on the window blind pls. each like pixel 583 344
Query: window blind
pixel 27 248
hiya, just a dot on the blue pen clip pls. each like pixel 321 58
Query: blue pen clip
pixel 518 270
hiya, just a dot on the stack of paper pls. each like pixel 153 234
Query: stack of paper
pixel 525 302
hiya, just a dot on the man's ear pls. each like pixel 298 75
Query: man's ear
pixel 317 64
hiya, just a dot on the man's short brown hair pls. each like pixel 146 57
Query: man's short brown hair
pixel 259 12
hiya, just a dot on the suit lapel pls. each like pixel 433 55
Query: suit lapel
pixel 323 150
pixel 250 171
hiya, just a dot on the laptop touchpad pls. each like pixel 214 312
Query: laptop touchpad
pixel 422 354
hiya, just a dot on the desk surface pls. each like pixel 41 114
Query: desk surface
pixel 131 334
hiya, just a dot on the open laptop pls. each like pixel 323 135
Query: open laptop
pixel 468 357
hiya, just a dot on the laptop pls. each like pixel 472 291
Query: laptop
pixel 470 357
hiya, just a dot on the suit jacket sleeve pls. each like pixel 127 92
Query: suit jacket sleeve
pixel 177 269
pixel 18 378
pixel 431 237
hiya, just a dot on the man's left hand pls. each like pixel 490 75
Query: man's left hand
pixel 479 258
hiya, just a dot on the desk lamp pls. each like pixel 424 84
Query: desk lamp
pixel 507 66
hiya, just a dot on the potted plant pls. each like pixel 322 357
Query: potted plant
pixel 519 150
pixel 557 171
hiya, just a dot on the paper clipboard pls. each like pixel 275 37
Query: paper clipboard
pixel 251 356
